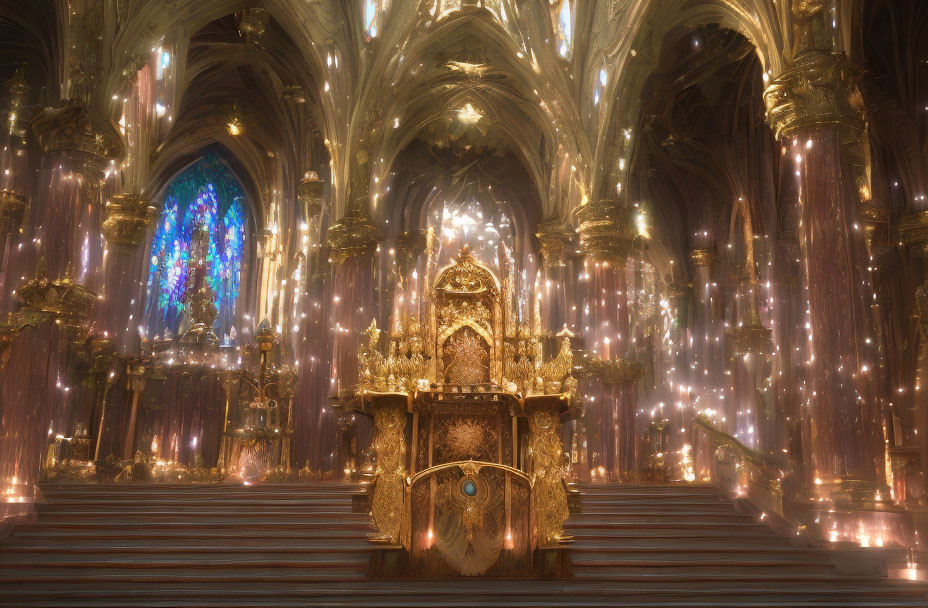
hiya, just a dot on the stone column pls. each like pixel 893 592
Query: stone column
pixel 556 244
pixel 406 290
pixel 119 306
pixel 13 206
pixel 910 483
pixel 14 176
pixel 705 332
pixel 606 240
pixel 814 109
pixel 67 215
pixel 353 245
pixel 311 408
pixel 751 348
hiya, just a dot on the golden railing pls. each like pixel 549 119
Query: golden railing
pixel 722 460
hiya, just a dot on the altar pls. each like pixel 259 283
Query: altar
pixel 466 408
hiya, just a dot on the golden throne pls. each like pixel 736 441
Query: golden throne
pixel 470 470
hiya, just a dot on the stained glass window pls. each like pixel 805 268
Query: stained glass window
pixel 373 11
pixel 199 241
pixel 564 28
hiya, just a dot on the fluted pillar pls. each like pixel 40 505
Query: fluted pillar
pixel 14 177
pixel 311 409
pixel 606 241
pixel 704 331
pixel 119 305
pixel 556 245
pixel 910 483
pixel 67 214
pixel 353 245
pixel 815 111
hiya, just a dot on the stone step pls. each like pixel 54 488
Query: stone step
pixel 660 516
pixel 157 514
pixel 283 545
pixel 498 593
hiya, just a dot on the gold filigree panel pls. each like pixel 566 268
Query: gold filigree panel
pixel 471 519
pixel 466 358
pixel 466 439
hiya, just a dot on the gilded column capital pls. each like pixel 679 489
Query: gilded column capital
pixel 611 371
pixel 704 257
pixel 18 88
pixel 605 232
pixel 68 303
pixel 309 193
pixel 352 236
pixel 128 218
pixel 409 246
pixel 752 338
pixel 912 231
pixel 556 241
pixel 874 215
pixel 818 88
pixel 72 130
pixel 12 210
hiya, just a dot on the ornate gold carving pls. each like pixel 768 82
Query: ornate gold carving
pixel 921 303
pixel 466 276
pixel 12 210
pixel 912 231
pixel 465 438
pixel 704 258
pixel 408 364
pixel 817 89
pixel 352 237
pixel 548 471
pixel 387 501
pixel 605 232
pixel 523 362
pixel 409 246
pixel 68 303
pixel 309 193
pixel 556 372
pixel 128 218
pixel 372 368
pixel 72 129
pixel 612 371
pixel 18 88
pixel 752 338
pixel 875 218
pixel 556 242
pixel 809 24
pixel 203 306
pixel 456 314
pixel 473 520
pixel 467 358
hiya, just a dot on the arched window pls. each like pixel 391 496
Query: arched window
pixel 373 15
pixel 564 27
pixel 198 242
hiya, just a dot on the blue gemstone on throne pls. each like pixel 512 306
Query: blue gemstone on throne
pixel 469 488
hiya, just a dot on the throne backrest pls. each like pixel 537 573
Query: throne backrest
pixel 467 322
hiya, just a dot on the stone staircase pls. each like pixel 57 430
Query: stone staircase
pixel 301 545
pixel 687 545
